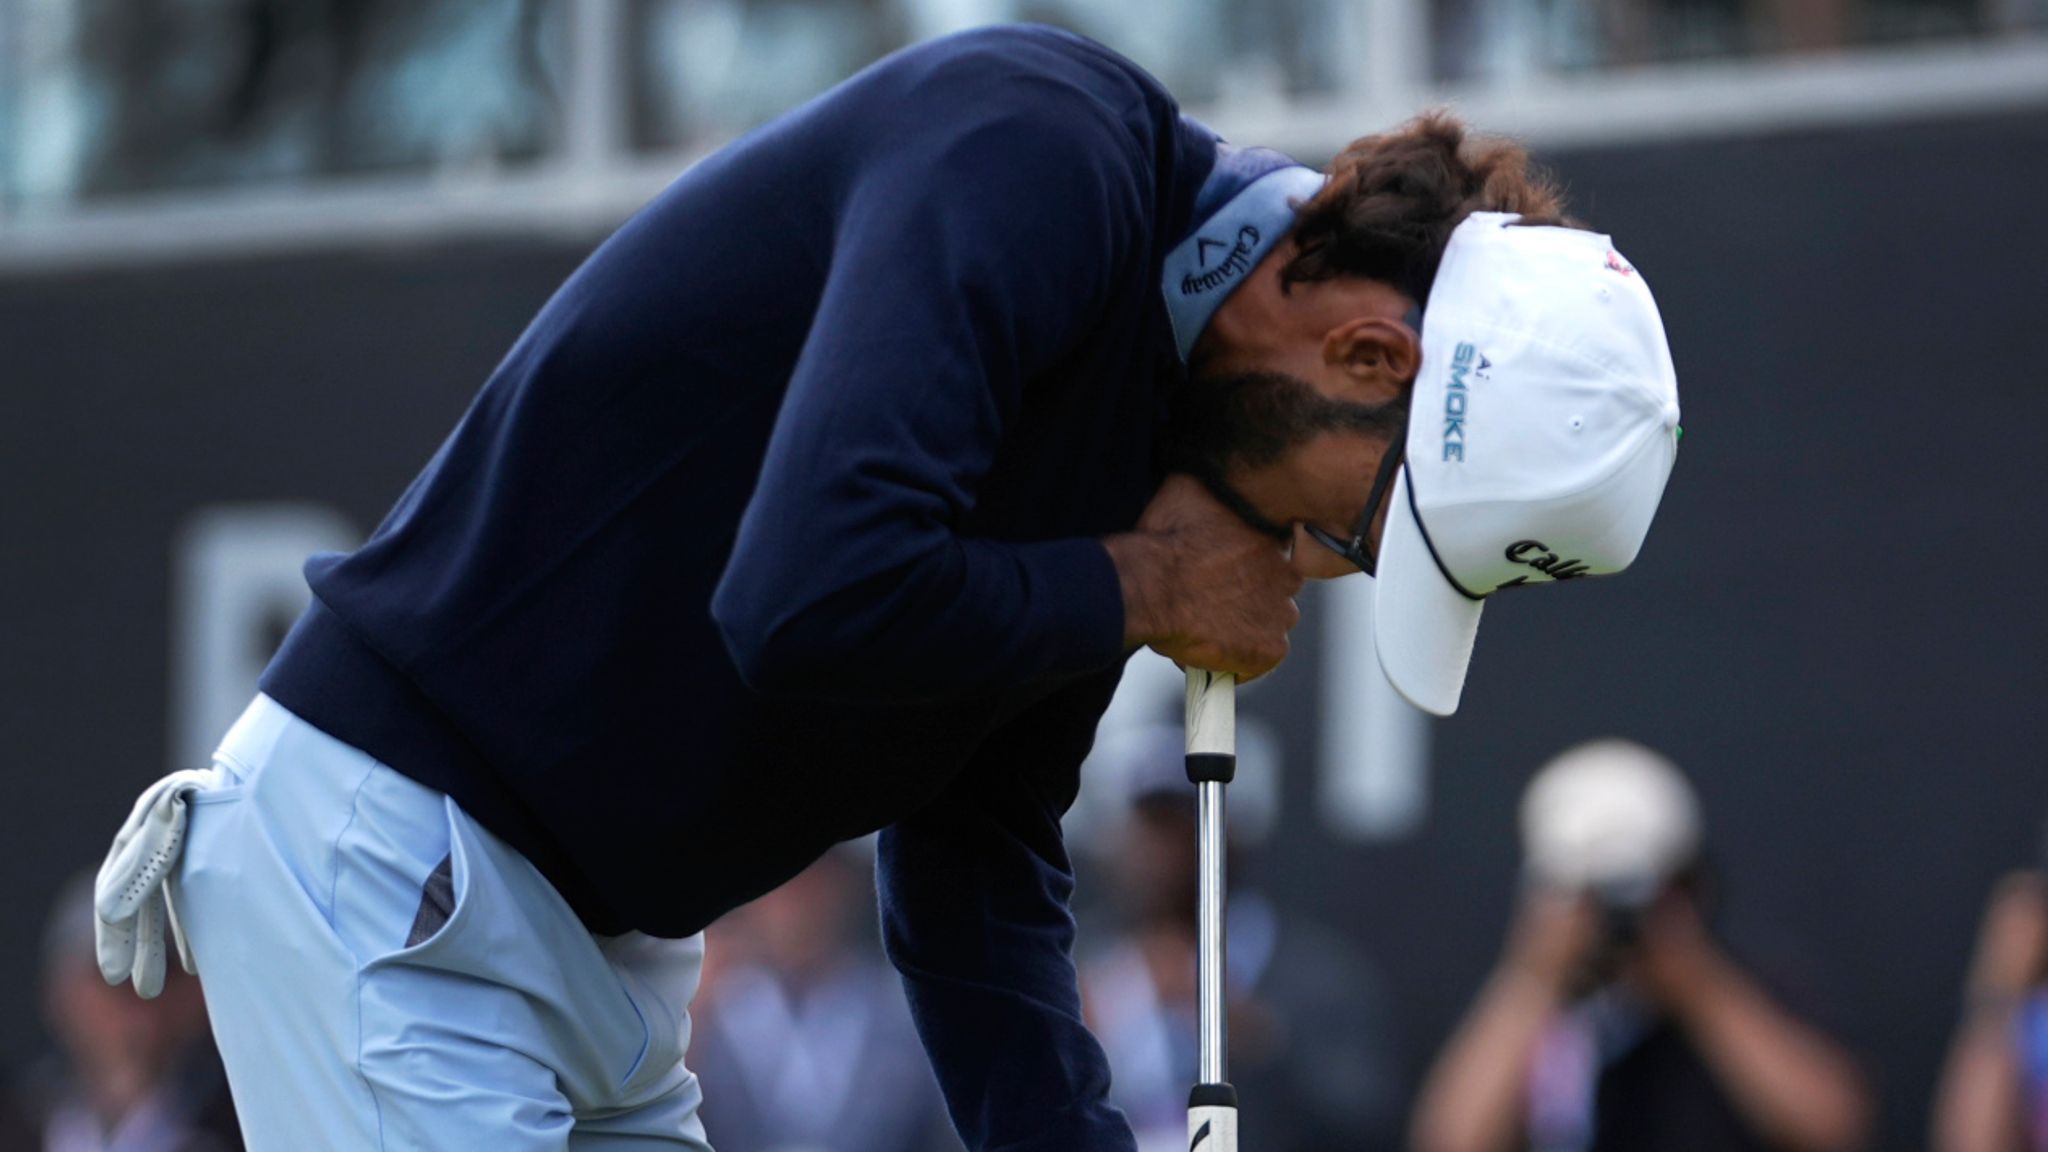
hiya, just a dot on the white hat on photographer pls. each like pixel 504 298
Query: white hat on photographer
pixel 1609 816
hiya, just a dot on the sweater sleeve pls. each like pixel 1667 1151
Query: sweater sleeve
pixel 967 260
pixel 974 896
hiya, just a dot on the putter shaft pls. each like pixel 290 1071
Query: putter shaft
pixel 1210 963
pixel 1212 763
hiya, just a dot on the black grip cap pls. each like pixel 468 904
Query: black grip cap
pixel 1212 767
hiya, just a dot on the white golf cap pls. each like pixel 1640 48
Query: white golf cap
pixel 1609 815
pixel 1543 425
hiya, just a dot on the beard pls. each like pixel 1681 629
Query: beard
pixel 1220 421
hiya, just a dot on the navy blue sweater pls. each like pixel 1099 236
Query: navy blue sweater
pixel 780 525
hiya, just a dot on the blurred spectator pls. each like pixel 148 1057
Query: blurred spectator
pixel 802 1037
pixel 1514 41
pixel 706 69
pixel 1311 1052
pixel 1616 1020
pixel 133 1075
pixel 1994 1094
pixel 709 69
pixel 128 95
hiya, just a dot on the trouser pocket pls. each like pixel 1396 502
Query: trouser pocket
pixel 437 903
pixel 493 957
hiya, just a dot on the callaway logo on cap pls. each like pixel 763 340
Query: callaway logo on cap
pixel 1543 426
pixel 1204 269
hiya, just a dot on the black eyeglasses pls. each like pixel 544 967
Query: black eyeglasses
pixel 1361 550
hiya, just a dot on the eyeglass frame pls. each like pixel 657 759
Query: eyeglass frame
pixel 1360 549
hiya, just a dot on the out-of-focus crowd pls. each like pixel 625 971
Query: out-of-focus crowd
pixel 125 1074
pixel 1618 1016
pixel 107 97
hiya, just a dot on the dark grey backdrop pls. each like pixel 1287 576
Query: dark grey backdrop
pixel 1834 625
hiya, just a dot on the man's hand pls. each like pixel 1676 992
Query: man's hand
pixel 1677 962
pixel 1202 588
pixel 1554 937
pixel 2012 945
pixel 1982 1100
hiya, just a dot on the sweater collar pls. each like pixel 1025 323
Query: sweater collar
pixel 1244 209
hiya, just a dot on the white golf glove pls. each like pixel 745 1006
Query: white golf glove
pixel 132 897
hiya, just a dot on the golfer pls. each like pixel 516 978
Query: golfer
pixel 829 496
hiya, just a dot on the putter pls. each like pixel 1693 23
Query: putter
pixel 1212 762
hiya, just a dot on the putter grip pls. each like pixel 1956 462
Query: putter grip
pixel 1212 1127
pixel 1212 713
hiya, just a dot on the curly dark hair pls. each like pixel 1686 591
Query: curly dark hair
pixel 1393 200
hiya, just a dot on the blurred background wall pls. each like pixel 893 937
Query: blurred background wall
pixel 255 256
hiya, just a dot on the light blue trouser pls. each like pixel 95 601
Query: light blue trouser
pixel 508 1027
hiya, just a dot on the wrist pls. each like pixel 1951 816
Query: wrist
pixel 1528 979
pixel 1697 985
pixel 1992 1007
pixel 1989 982
pixel 1142 566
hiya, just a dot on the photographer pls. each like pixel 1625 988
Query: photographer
pixel 1994 1094
pixel 1615 1020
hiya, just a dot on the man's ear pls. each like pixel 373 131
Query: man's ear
pixel 1377 355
